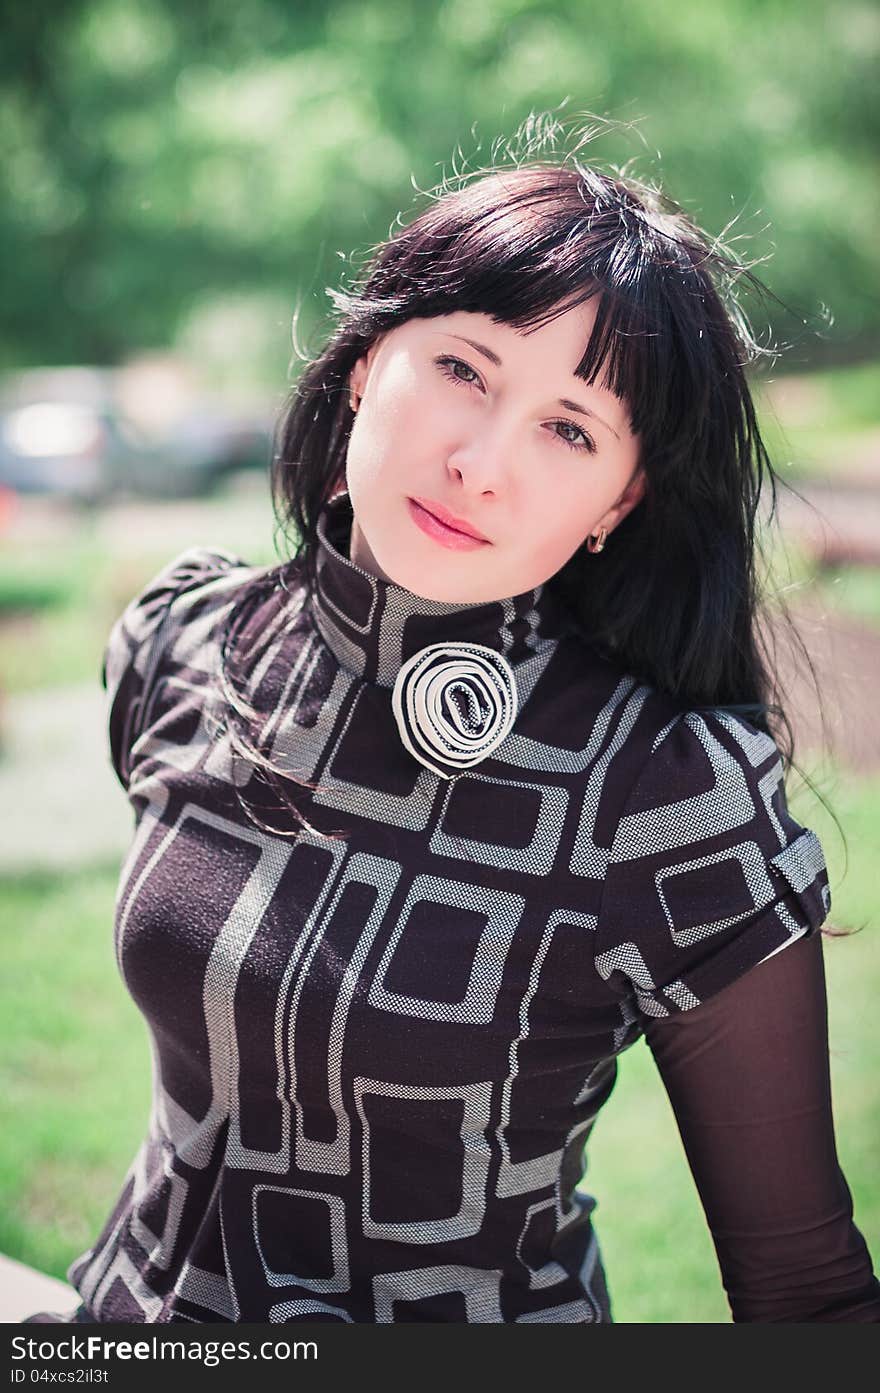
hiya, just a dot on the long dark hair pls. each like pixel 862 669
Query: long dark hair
pixel 675 598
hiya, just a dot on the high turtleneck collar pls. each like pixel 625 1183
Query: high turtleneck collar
pixel 373 626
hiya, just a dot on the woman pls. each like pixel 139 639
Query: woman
pixel 439 817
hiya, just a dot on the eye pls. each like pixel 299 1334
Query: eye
pixel 449 366
pixel 584 441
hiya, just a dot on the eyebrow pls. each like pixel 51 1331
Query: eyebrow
pixel 563 401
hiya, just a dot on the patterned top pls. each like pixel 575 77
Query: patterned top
pixel 378 1055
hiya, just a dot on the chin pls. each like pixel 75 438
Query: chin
pixel 417 579
pixel 414 575
pixel 459 593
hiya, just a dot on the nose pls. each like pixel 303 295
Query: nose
pixel 482 460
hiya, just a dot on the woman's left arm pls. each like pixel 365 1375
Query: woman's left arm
pixel 747 1073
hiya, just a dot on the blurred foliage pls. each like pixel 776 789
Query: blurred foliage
pixel 822 423
pixel 180 172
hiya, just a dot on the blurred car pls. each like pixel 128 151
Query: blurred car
pixel 63 432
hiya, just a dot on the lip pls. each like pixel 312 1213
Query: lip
pixel 449 520
pixel 438 531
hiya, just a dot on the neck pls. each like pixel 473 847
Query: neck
pixel 360 553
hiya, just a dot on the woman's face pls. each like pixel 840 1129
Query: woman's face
pixel 480 434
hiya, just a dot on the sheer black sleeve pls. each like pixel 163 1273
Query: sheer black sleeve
pixel 747 1074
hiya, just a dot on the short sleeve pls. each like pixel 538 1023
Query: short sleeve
pixel 708 874
pixel 137 640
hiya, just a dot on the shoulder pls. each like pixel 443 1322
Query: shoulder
pixel 199 580
pixel 708 872
pixel 660 752
pixel 196 577
pixel 191 570
pixel 708 770
pixel 711 778
pixel 175 618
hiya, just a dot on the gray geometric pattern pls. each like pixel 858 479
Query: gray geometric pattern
pixel 381 1037
pixel 500 912
pixel 471 1171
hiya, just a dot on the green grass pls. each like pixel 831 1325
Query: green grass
pixel 75 1085
pixel 813 424
pixel 790 573
pixel 74 1077
pixel 55 604
pixel 853 395
pixel 853 590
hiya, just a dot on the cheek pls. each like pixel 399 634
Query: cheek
pixel 374 444
pixel 561 519
pixel 402 418
pixel 400 395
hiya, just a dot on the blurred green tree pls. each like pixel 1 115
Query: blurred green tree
pixel 163 158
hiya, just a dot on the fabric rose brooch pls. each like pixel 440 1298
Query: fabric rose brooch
pixel 454 703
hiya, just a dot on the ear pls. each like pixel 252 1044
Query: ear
pixel 631 496
pixel 359 374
